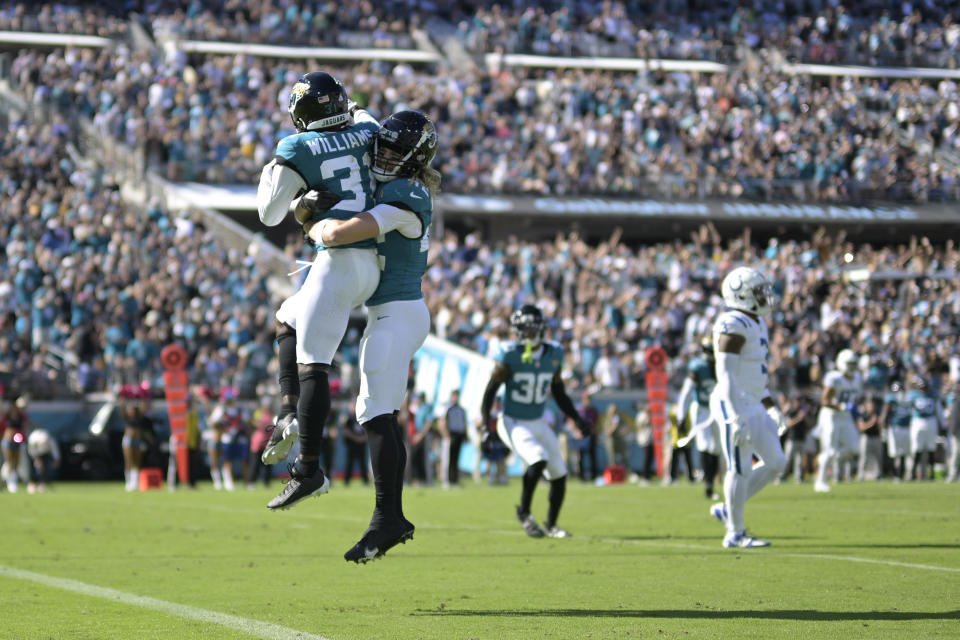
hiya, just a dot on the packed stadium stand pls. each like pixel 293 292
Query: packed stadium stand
pixel 718 106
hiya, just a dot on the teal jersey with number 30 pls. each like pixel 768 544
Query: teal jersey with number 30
pixel 528 387
pixel 338 161
pixel 403 260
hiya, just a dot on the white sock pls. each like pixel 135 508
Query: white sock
pixel 824 461
pixel 228 480
pixel 12 481
pixel 217 478
pixel 735 492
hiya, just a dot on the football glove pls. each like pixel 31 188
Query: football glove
pixel 315 201
pixel 781 420
pixel 739 435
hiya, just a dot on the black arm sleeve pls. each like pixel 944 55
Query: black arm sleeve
pixel 563 400
pixel 500 373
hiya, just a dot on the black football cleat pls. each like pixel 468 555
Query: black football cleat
pixel 299 487
pixel 529 525
pixel 376 542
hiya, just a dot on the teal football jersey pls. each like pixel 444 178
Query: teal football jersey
pixel 924 406
pixel 528 387
pixel 899 412
pixel 339 161
pixel 403 260
pixel 706 379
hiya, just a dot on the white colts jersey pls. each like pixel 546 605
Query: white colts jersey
pixel 750 376
pixel 846 390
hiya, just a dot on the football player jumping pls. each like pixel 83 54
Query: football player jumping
pixel 741 403
pixel 330 150
pixel 530 367
pixel 839 437
pixel 397 316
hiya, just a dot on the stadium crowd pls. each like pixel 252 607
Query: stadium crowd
pixel 619 300
pixel 874 33
pixel 104 284
pixel 760 135
pixel 817 31
pixel 91 276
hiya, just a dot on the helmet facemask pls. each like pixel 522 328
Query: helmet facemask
pixel 748 290
pixel 390 160
pixel 405 144
pixel 528 325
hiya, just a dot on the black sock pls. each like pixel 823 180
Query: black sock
pixel 305 468
pixel 383 459
pixel 312 410
pixel 530 479
pixel 558 489
pixel 288 377
pixel 710 463
pixel 401 461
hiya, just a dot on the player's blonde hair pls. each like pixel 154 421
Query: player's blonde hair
pixel 430 177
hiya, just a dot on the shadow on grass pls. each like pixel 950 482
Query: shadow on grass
pixel 702 614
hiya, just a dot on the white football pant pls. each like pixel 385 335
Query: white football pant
pixel 839 440
pixel 743 479
pixel 395 330
pixel 339 280
pixel 533 441
pixel 898 441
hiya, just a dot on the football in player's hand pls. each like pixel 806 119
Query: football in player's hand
pixel 316 201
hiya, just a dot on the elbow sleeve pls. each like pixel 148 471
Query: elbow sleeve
pixel 278 187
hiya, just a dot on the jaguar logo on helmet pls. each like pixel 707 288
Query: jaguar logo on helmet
pixel 429 135
pixel 299 90
pixel 318 102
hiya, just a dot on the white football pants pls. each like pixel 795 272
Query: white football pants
pixel 744 479
pixel 533 441
pixel 339 280
pixel 395 330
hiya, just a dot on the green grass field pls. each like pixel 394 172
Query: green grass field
pixel 867 561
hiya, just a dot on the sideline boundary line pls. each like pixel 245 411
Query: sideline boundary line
pixel 264 630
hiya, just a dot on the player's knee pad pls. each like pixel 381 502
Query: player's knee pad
pixel 315 390
pixel 376 352
pixel 312 370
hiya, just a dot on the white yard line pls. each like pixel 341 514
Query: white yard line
pixel 265 630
